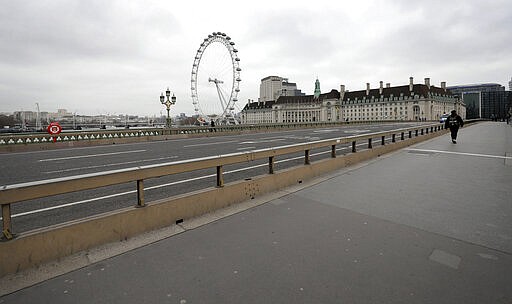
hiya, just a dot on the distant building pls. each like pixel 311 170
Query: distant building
pixel 487 100
pixel 510 84
pixel 272 87
pixel 408 103
pixel 287 109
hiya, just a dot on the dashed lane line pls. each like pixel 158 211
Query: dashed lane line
pixel 90 155
pixel 163 185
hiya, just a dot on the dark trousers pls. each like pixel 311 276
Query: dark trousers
pixel 454 131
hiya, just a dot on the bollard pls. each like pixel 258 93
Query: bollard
pixel 271 165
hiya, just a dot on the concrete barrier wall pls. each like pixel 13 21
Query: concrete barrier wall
pixel 40 246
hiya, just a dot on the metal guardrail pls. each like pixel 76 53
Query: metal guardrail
pixel 38 138
pixel 16 193
pixel 32 190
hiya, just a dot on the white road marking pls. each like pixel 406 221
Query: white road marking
pixel 72 204
pixel 90 155
pixel 165 185
pixel 356 131
pixel 246 148
pixel 274 137
pixel 460 153
pixel 109 165
pixel 326 131
pixel 260 141
pixel 210 144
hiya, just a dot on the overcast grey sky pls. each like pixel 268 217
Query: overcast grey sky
pixel 115 57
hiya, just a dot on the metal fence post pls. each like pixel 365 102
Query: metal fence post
pixel 383 141
pixel 140 193
pixel 6 221
pixel 333 151
pixel 220 177
pixel 370 143
pixel 393 138
pixel 307 159
pixel 271 165
pixel 353 147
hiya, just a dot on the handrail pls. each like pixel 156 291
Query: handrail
pixel 38 189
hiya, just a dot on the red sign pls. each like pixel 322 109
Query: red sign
pixel 54 129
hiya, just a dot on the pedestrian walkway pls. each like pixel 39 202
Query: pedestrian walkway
pixel 427 224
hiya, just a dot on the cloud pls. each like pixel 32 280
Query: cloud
pixel 117 56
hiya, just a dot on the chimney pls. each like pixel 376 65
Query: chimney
pixel 388 85
pixel 367 89
pixel 411 84
pixel 380 88
pixel 443 85
pixel 342 92
pixel 427 82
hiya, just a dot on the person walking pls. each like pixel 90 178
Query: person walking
pixel 453 122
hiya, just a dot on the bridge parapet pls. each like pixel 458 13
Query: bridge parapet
pixel 219 195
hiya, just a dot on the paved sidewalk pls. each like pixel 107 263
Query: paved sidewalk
pixel 428 224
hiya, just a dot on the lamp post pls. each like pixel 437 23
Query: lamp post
pixel 168 103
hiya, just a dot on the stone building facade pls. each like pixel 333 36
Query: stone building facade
pixel 413 102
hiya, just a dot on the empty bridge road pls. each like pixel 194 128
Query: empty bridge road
pixel 42 165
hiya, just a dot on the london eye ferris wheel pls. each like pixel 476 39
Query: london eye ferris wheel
pixel 215 79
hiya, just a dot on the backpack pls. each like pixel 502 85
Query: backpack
pixel 453 122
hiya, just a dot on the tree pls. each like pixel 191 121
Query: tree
pixel 7 121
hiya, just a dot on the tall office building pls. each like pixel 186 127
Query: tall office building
pixel 272 87
pixel 487 100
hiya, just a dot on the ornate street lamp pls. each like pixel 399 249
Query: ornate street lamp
pixel 168 103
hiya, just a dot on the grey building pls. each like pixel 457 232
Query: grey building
pixel 486 100
pixel 272 87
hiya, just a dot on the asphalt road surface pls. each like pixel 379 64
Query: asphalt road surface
pixel 41 165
